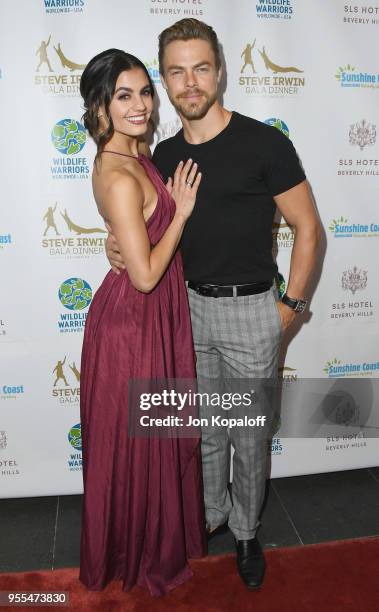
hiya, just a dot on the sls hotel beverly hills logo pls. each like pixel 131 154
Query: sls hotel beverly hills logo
pixel 362 138
pixel 68 136
pixel 65 239
pixel 267 77
pixel 56 74
pixel 8 464
pixel 355 302
pixel 358 14
pixel 177 9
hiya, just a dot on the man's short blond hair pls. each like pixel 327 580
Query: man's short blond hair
pixel 188 29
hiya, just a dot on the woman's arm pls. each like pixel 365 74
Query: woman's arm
pixel 122 206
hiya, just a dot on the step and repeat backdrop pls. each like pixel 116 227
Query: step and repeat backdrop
pixel 310 69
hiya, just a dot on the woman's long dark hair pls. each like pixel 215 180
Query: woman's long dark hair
pixel 97 87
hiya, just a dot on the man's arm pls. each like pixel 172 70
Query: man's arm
pixel 297 208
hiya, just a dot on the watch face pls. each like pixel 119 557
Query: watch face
pixel 300 306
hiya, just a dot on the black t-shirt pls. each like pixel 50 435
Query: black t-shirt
pixel 228 238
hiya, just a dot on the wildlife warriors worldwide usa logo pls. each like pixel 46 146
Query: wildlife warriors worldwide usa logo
pixel 56 73
pixel 64 6
pixel 64 238
pixel 75 294
pixel 260 74
pixel 74 437
pixel 68 137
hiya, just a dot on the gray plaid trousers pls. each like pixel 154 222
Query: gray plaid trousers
pixel 235 338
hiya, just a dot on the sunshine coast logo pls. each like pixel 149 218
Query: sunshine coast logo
pixel 152 67
pixel 274 9
pixel 74 437
pixel 279 125
pixel 66 386
pixel 349 76
pixel 5 241
pixel 11 392
pixel 64 6
pixel 55 73
pixel 167 130
pixel 335 368
pixel 75 294
pixel 342 228
pixel 358 14
pixel 262 84
pixel 177 8
pixel 68 136
pixel 74 241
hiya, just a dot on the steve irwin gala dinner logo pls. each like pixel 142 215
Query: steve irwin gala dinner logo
pixel 56 72
pixel 262 73
pixel 64 238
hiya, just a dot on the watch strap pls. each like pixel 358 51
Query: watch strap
pixel 296 304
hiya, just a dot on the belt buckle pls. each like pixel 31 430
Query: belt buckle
pixel 208 290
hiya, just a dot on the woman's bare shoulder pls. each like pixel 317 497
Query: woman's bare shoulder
pixel 112 186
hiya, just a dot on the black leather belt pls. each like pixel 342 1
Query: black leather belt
pixel 210 290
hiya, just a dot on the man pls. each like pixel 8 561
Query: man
pixel 248 168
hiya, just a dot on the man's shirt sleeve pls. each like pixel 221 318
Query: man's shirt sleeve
pixel 282 168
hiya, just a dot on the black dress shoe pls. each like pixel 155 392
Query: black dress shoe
pixel 251 563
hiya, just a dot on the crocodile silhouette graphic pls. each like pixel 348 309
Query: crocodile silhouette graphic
pixel 66 62
pixel 275 67
pixel 75 371
pixel 81 230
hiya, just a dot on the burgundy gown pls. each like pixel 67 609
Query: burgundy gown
pixel 143 514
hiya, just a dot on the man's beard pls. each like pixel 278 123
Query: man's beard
pixel 194 110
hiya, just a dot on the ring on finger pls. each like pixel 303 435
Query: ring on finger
pixel 189 183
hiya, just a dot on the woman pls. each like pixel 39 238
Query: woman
pixel 143 508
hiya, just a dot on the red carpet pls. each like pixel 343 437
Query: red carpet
pixel 331 577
